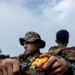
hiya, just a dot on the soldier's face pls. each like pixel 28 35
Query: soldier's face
pixel 30 47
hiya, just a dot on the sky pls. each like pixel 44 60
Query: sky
pixel 45 17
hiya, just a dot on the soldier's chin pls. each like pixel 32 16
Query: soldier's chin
pixel 27 52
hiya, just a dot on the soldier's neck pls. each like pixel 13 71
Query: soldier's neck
pixel 35 54
pixel 62 45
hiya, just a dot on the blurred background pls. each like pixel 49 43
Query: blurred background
pixel 46 17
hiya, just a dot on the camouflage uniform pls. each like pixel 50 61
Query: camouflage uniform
pixel 25 65
pixel 67 53
pixel 31 37
pixel 26 59
pixel 55 50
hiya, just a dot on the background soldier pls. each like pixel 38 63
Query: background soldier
pixel 62 39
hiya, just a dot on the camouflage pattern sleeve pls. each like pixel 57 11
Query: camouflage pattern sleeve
pixel 71 68
pixel 69 55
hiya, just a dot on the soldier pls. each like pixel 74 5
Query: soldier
pixel 62 39
pixel 32 43
pixel 68 53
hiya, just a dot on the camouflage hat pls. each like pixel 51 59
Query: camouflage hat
pixel 32 37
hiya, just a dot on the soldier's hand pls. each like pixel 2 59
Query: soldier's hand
pixel 54 66
pixel 9 67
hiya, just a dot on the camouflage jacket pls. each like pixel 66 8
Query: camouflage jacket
pixel 67 53
pixel 25 65
pixel 55 50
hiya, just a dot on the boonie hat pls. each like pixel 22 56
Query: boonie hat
pixel 32 37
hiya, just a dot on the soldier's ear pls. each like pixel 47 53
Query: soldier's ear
pixel 56 41
pixel 67 41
